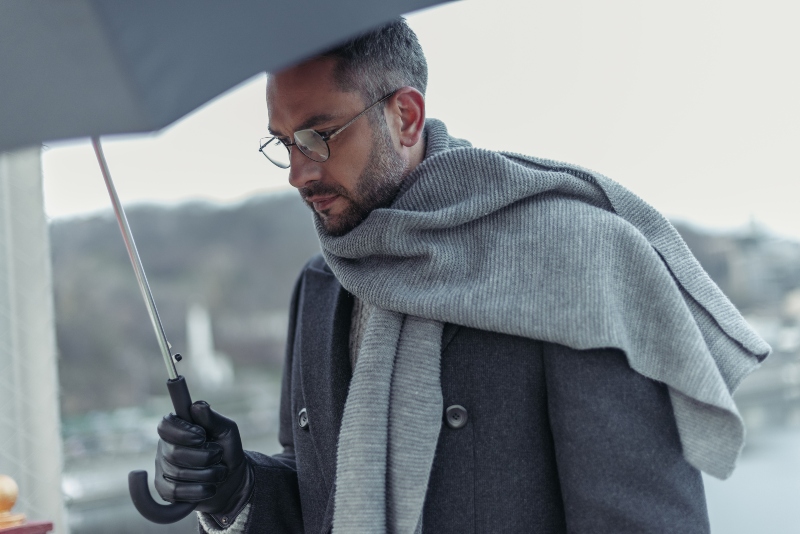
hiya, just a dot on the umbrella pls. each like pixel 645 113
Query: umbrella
pixel 79 68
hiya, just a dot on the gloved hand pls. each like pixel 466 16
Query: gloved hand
pixel 203 463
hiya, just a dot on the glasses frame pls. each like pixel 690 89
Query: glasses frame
pixel 324 138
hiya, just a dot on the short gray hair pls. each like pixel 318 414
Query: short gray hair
pixel 380 61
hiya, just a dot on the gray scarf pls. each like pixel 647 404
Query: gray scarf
pixel 527 247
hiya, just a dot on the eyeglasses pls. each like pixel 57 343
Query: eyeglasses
pixel 310 142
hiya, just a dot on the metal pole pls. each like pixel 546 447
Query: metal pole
pixel 130 245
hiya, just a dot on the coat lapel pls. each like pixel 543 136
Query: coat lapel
pixel 325 310
pixel 324 315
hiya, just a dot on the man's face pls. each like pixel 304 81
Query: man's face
pixel 363 171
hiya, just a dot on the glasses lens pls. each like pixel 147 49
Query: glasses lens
pixel 275 151
pixel 312 145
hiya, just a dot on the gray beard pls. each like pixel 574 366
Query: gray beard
pixel 376 187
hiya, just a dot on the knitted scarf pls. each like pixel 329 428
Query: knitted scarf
pixel 528 247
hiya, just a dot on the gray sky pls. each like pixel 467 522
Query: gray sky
pixel 692 105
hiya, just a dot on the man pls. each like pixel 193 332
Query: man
pixel 491 342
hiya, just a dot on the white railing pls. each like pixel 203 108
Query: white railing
pixel 30 437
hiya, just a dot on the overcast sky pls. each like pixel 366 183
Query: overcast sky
pixel 692 105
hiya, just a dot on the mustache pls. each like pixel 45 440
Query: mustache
pixel 320 189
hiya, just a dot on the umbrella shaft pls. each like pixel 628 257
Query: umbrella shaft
pixel 130 245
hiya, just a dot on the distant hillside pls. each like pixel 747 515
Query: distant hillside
pixel 241 263
pixel 754 269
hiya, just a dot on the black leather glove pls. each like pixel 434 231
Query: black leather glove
pixel 203 463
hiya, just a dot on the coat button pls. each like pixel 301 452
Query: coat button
pixel 456 416
pixel 302 419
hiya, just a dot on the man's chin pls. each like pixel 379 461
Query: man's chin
pixel 332 228
pixel 337 225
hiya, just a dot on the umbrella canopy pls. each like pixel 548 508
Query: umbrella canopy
pixel 78 68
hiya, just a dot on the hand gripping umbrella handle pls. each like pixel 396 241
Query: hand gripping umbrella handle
pixel 137 480
pixel 178 392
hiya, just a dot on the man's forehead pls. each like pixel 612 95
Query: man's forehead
pixel 317 67
pixel 312 122
pixel 305 96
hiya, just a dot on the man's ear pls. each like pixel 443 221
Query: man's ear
pixel 407 116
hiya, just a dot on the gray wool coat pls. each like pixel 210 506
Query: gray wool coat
pixel 555 439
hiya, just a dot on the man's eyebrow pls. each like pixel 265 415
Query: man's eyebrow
pixel 312 121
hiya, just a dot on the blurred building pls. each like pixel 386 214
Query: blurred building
pixel 212 369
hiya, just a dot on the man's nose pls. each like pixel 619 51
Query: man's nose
pixel 303 170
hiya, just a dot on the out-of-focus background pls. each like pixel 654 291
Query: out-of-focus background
pixel 692 105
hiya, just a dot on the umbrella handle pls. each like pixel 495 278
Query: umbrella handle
pixel 137 480
pixel 147 506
